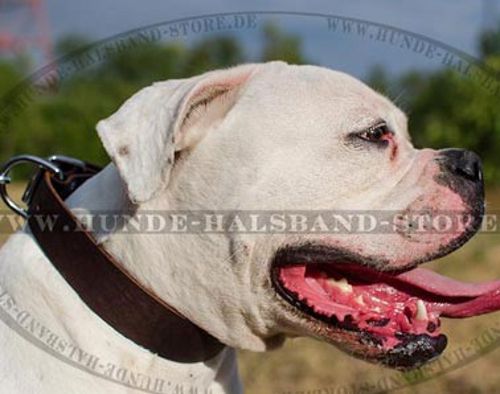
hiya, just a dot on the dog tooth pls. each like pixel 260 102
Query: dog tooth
pixel 421 311
pixel 359 300
pixel 345 286
pixel 342 284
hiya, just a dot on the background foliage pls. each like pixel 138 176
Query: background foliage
pixel 445 109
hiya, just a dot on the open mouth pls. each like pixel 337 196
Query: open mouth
pixel 398 314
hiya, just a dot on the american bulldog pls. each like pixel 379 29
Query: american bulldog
pixel 266 137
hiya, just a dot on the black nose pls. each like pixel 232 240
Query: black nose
pixel 463 163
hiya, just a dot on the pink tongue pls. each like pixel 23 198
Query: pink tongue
pixel 476 298
pixel 442 285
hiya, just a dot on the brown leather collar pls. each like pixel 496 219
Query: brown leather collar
pixel 102 284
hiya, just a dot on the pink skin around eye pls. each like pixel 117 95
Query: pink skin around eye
pixel 394 147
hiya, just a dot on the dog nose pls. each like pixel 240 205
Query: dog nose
pixel 464 163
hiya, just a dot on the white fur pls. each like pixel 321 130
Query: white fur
pixel 276 141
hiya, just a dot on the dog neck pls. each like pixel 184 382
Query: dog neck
pixel 38 289
pixel 199 276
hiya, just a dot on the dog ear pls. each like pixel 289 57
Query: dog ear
pixel 143 135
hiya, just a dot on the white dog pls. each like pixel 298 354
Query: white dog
pixel 264 137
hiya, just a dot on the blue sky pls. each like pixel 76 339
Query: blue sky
pixel 456 23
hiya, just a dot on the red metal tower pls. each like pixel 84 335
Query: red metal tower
pixel 24 28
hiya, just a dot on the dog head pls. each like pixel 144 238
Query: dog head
pixel 288 141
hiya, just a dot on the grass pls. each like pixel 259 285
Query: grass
pixel 309 366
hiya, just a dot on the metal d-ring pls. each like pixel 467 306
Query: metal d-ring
pixel 5 179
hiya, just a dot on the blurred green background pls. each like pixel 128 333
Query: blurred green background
pixel 445 109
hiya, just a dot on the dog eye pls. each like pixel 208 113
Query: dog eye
pixel 376 133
